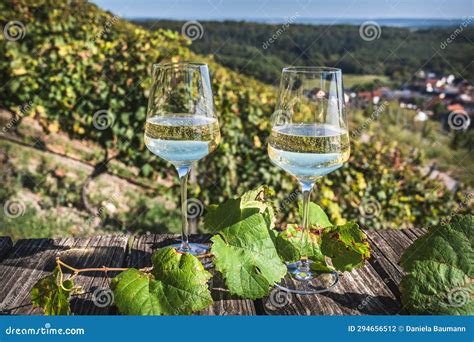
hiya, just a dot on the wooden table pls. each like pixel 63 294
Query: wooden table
pixel 372 290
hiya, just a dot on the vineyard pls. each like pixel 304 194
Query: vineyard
pixel 77 78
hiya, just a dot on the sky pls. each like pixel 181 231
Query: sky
pixel 268 9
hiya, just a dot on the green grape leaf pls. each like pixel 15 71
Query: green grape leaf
pixel 238 209
pixel 440 270
pixel 449 243
pixel 346 245
pixel 49 295
pixel 316 215
pixel 291 247
pixel 177 285
pixel 257 196
pixel 227 214
pixel 433 288
pixel 245 255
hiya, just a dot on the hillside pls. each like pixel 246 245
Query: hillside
pixel 262 50
pixel 77 61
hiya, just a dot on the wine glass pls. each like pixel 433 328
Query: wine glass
pixel 181 126
pixel 309 139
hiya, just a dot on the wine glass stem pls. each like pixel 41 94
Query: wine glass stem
pixel 183 172
pixel 306 188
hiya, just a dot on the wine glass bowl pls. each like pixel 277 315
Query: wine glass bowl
pixel 309 136
pixel 309 139
pixel 181 125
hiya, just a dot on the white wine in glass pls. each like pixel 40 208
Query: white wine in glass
pixel 182 138
pixel 181 126
pixel 309 139
pixel 309 150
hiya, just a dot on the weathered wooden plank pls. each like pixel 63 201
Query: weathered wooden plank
pixel 409 234
pixel 397 240
pixel 95 252
pixel 393 243
pixel 414 234
pixel 224 304
pixel 417 231
pixel 370 290
pixel 5 246
pixel 387 248
pixel 31 260
pixel 385 261
pixel 359 292
pixel 20 270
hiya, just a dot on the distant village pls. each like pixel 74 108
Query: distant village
pixel 443 98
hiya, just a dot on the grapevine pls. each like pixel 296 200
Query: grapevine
pixel 244 224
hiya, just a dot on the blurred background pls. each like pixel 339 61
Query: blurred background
pixel 75 76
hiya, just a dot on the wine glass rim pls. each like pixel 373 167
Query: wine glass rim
pixel 311 69
pixel 179 65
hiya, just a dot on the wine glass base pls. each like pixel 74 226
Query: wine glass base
pixel 191 248
pixel 307 282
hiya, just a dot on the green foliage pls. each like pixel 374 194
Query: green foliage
pixel 440 270
pixel 48 196
pixel 76 60
pixel 246 246
pixel 432 288
pixel 247 251
pixel 53 295
pixel 147 216
pixel 316 215
pixel 292 245
pixel 386 175
pixel 242 46
pixel 33 225
pixel 177 285
pixel 234 210
pixel 364 82
pixel 245 255
pixel 346 245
